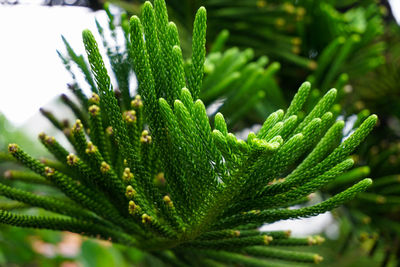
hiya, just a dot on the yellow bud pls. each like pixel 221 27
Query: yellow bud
pixel 42 136
pixel 280 22
pixel 90 148
pixel 318 259
pixel 288 233
pixel 355 158
pixel 104 167
pixel 312 65
pixel 137 102
pixel 267 239
pixel 94 110
pixel 168 201
pixel 159 179
pixel 301 11
pixel 109 130
pixel 374 150
pixel 49 171
pixel 311 241
pixel 130 192
pixel 77 126
pixel 12 148
pixel 49 140
pixel 133 208
pixel 146 218
pixel 72 159
pixel 380 199
pixel 127 175
pixel 359 105
pixel 145 138
pixel 296 41
pixel 130 116
pixel 319 239
pixel 261 3
pixel 288 8
pixel 95 98
pixel 366 220
pixel 296 49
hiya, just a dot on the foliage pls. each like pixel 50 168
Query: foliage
pixel 150 172
pixel 303 35
pixel 343 42
pixel 374 215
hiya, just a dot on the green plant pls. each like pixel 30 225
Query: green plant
pixel 296 33
pixel 347 41
pixel 155 176
pixel 270 27
pixel 231 76
pixel 373 216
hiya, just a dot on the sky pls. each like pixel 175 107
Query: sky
pixel 30 70
pixel 396 9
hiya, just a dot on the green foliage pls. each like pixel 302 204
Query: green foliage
pixel 267 26
pixel 374 215
pixel 329 43
pixel 328 37
pixel 348 42
pixel 241 84
pixel 150 172
pixel 374 221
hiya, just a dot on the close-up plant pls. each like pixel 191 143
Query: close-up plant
pixel 150 172
pixel 373 217
pixel 205 138
pixel 303 35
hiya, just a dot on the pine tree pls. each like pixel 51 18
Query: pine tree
pixel 150 172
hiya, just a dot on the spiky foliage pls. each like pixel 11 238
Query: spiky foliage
pixel 374 215
pixel 372 218
pixel 231 76
pixel 269 27
pixel 348 42
pixel 329 43
pixel 118 56
pixel 375 99
pixel 157 177
pixel 242 88
pixel 296 32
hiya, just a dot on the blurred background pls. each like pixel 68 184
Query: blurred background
pixel 273 47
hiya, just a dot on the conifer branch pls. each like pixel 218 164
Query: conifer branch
pixel 152 172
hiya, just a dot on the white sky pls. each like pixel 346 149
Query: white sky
pixel 31 72
pixel 396 9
